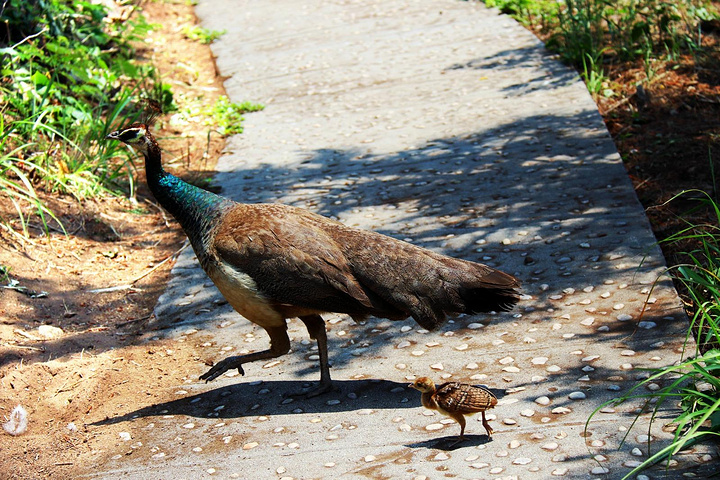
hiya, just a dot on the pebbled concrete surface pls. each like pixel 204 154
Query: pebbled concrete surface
pixel 448 125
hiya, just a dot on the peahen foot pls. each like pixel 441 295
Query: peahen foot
pixel 223 366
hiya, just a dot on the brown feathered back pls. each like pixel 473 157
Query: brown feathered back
pixel 306 260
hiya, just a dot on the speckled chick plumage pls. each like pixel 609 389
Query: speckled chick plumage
pixel 456 400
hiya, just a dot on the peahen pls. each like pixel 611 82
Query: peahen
pixel 273 262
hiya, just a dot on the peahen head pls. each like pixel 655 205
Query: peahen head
pixel 136 135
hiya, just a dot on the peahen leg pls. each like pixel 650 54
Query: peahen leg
pixel 279 345
pixel 316 328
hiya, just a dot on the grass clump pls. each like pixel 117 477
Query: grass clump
pixel 593 34
pixel 202 35
pixel 68 71
pixel 228 116
pixel 694 382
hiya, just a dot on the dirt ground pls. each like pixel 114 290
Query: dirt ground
pixel 98 286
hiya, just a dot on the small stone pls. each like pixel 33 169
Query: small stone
pixel 522 461
pixel 632 463
pixel 495 470
pixel 539 360
pixel 577 396
pixel 403 344
pixel 475 326
pixel 626 366
pixel 125 436
pixel 644 438
pixel 599 470
pixel 553 369
pixel 369 458
pixel 627 353
pixel 559 472
pixel 434 426
pixel 189 425
pixel 440 457
pixel 472 366
pixel 479 465
pixel 624 317
pixel 550 446
pixel 527 413
pixel 506 360
pixel 542 401
pixel 437 366
pixel 560 410
pixel 514 444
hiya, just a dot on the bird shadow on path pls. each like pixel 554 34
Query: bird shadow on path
pixel 275 398
pixel 450 443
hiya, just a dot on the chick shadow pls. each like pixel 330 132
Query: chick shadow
pixel 450 442
pixel 257 398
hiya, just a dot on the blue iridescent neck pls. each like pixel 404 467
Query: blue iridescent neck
pixel 196 209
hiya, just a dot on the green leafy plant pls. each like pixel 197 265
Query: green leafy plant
pixel 228 116
pixel 694 382
pixel 65 78
pixel 202 35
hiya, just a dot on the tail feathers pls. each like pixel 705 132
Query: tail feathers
pixel 493 292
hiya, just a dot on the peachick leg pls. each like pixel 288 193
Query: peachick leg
pixel 279 345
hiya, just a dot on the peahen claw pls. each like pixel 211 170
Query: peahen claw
pixel 222 367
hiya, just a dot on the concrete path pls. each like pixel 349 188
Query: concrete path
pixel 448 125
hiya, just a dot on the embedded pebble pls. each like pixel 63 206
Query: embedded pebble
pixel 514 444
pixel 442 456
pixel 599 470
pixel 506 360
pixel 522 461
pixel 577 396
pixel 627 353
pixel 369 458
pixel 434 426
pixel 250 445
pixel 539 360
pixel 550 446
pixel 475 326
pixel 511 369
pixel 124 436
pixel 479 465
pixel 527 413
pixel 624 317
pixel 553 368
pixel 472 366
pixel 437 366
pixel 189 425
pixel 560 410
pixel 542 401
pixel 588 321
pixel 559 472
pixel 495 470
pixel 403 344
